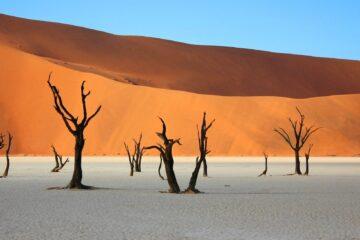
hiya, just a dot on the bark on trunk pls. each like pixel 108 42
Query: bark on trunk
pixel 77 174
pixel 307 166
pixel 297 163
pixel 131 171
pixel 170 174
pixel 191 188
pixel 307 156
pixel 6 172
pixel 137 167
pixel 266 166
pixel 205 172
pixel 159 168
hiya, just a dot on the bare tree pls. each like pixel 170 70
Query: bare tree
pixel 165 150
pixel 59 164
pixel 8 148
pixel 203 147
pixel 307 156
pixel 76 128
pixel 301 135
pixel 135 158
pixel 139 152
pixel 266 165
pixel 131 159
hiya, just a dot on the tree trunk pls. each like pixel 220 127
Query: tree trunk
pixel 159 168
pixel 6 172
pixel 266 165
pixel 297 163
pixel 77 174
pixel 191 188
pixel 307 166
pixel 131 170
pixel 137 166
pixel 205 173
pixel 170 174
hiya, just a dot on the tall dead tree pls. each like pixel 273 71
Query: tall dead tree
pixel 8 149
pixel 59 164
pixel 131 159
pixel 266 165
pixel 203 148
pixel 76 128
pixel 301 135
pixel 165 150
pixel 307 156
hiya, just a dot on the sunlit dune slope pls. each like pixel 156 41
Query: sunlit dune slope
pixel 244 125
pixel 173 65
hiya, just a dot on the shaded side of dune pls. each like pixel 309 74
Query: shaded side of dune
pixel 244 125
pixel 173 65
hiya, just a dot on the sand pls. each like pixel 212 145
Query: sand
pixel 324 205
pixel 244 124
pixel 173 65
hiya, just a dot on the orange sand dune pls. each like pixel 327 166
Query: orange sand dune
pixel 243 124
pixel 172 65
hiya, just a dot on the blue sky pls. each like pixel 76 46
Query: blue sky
pixel 327 28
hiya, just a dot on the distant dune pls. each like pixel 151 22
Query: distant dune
pixel 173 65
pixel 245 118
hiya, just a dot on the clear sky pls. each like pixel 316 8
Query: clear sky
pixel 328 28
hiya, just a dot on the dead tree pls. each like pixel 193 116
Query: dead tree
pixel 139 152
pixel 59 164
pixel 135 158
pixel 76 128
pixel 266 165
pixel 307 156
pixel 131 159
pixel 301 135
pixel 8 148
pixel 165 150
pixel 203 147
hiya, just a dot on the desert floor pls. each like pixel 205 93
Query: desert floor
pixel 236 203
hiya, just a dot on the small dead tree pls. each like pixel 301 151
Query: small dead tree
pixel 131 159
pixel 165 150
pixel 301 135
pixel 139 152
pixel 203 147
pixel 59 164
pixel 76 128
pixel 8 148
pixel 266 165
pixel 135 158
pixel 307 156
